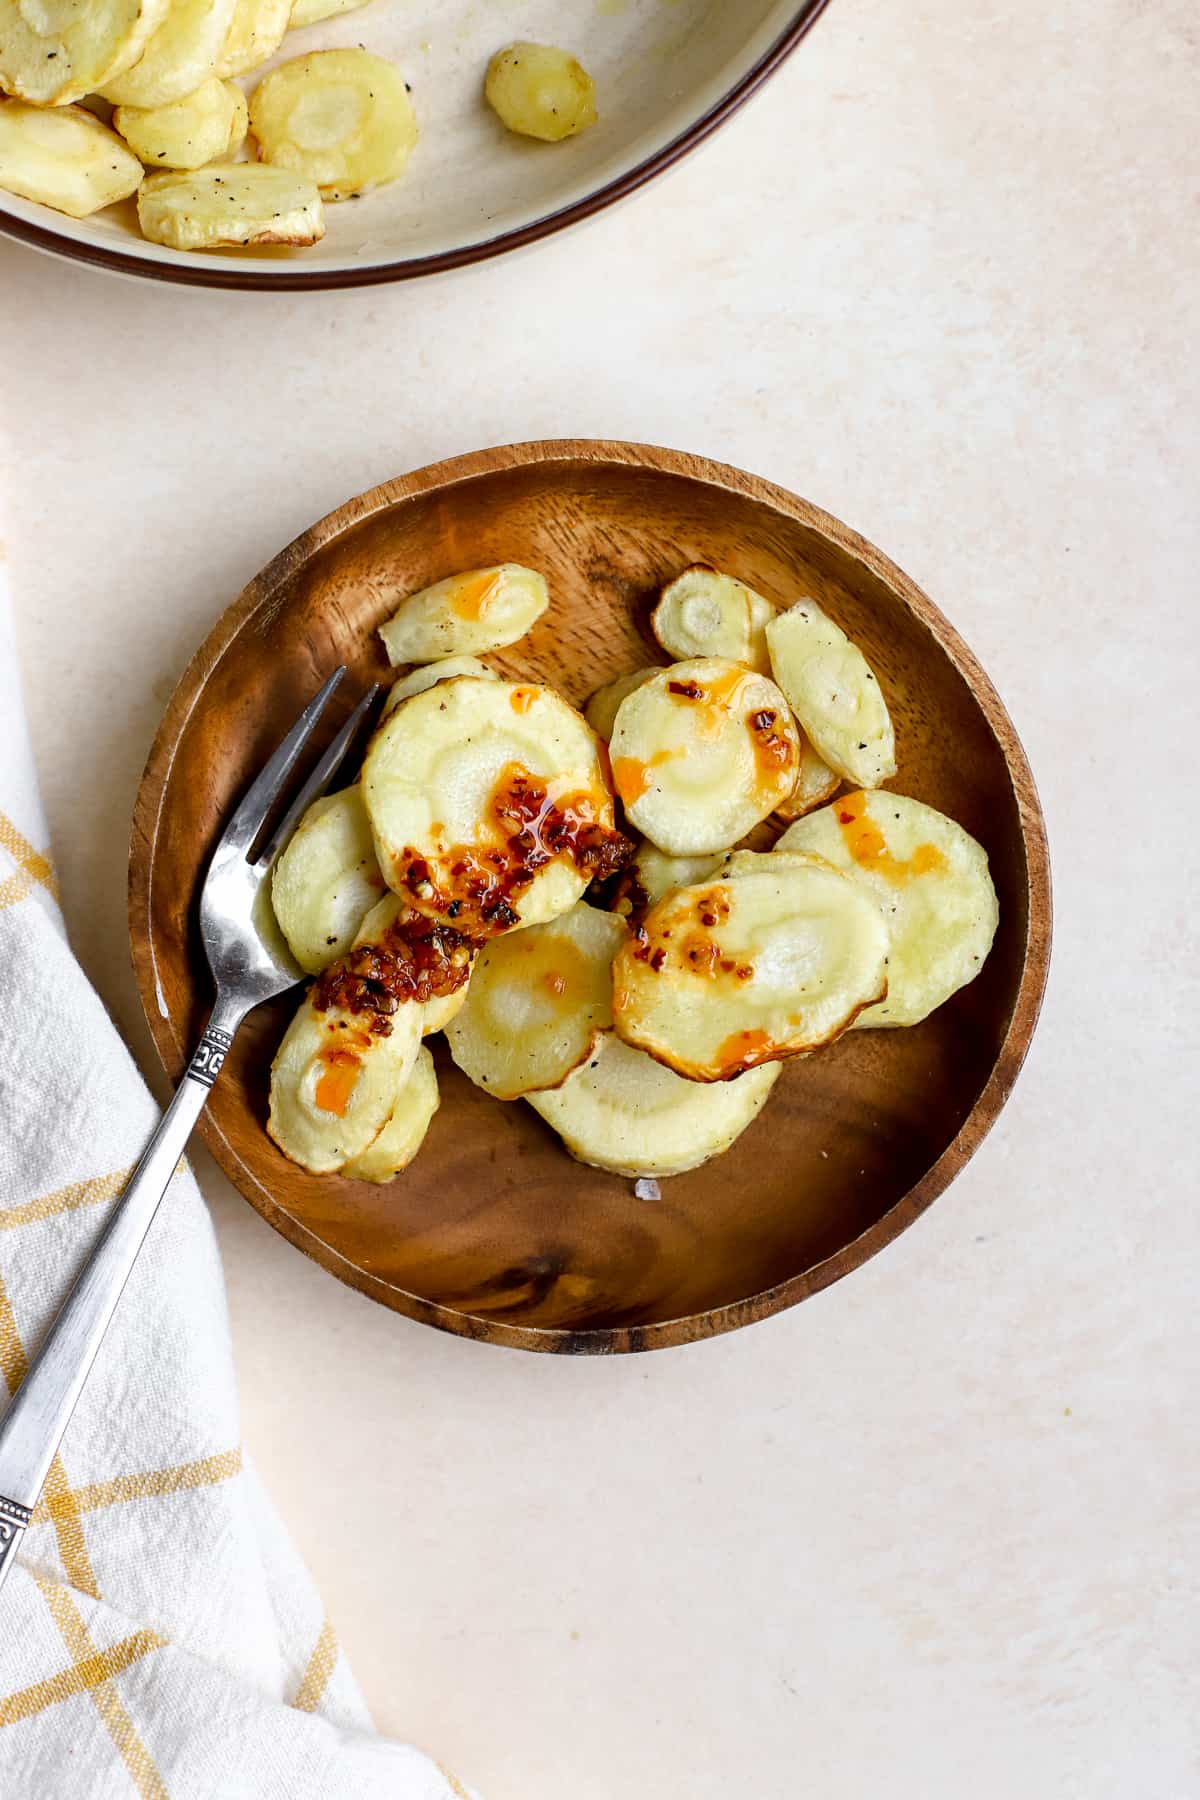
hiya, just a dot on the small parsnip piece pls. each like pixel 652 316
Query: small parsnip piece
pixel 232 204
pixel 241 119
pixel 833 692
pixel 653 873
pixel 705 613
pixel 816 783
pixel 540 92
pixel 180 55
pixel 341 117
pixel 429 674
pixel 187 133
pixel 601 710
pixel 64 158
pixel 538 1002
pixel 256 30
pixel 477 611
pixel 623 1112
pixel 410 1118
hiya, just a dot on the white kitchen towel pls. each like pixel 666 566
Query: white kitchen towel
pixel 159 1635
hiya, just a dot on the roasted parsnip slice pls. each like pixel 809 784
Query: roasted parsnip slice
pixel 64 158
pixel 54 51
pixel 601 710
pixel 429 674
pixel 816 783
pixel 327 880
pixel 702 752
pixel 335 1079
pixel 729 974
pixel 540 92
pixel 626 1113
pixel 255 33
pixel 538 1002
pixel 481 610
pixel 402 1136
pixel 178 57
pixel 833 692
pixel 705 613
pixel 232 204
pixel 653 873
pixel 341 117
pixel 187 133
pixel 931 881
pixel 488 804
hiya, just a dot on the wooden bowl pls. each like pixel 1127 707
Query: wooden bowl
pixel 494 1232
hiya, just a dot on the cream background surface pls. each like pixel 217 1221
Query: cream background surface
pixel 936 1530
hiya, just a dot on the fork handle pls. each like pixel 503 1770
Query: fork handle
pixel 40 1410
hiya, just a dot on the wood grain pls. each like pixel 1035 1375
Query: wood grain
pixel 494 1232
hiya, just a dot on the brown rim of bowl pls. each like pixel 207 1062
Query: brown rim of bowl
pixel 197 274
pixel 690 1328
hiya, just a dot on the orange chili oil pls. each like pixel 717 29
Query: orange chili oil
pixel 416 959
pixel 532 829
pixel 772 750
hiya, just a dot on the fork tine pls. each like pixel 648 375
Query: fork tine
pixel 320 778
pixel 263 791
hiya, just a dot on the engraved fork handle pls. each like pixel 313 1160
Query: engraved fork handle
pixel 40 1410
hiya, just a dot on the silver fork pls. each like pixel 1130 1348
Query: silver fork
pixel 250 964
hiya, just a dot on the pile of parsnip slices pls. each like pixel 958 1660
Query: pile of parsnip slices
pixel 565 896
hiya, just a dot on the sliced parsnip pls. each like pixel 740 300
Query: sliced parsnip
pixel 730 974
pixel 341 117
pixel 538 1002
pixel 335 1079
pixel 931 880
pixel 834 694
pixel 488 804
pixel 658 873
pixel 653 873
pixel 759 862
pixel 404 1133
pixel 601 710
pixel 816 783
pixel 439 1012
pixel 311 12
pixel 255 33
pixel 54 51
pixel 705 613
pixel 761 613
pixel 480 610
pixel 540 92
pixel 241 119
pixel 623 1112
pixel 180 55
pixel 327 880
pixel 701 753
pixel 232 204
pixel 187 133
pixel 429 674
pixel 64 158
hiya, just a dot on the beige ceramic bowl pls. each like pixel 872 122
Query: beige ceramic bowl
pixel 667 73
